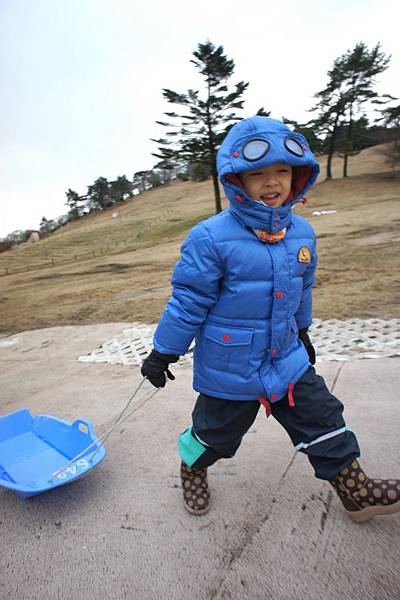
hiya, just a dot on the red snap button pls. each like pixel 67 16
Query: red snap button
pixel 276 223
pixel 274 351
pixel 235 154
pixel 273 396
pixel 276 214
pixel 279 295
pixel 226 338
pixel 239 197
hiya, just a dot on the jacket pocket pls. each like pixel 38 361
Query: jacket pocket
pixel 227 348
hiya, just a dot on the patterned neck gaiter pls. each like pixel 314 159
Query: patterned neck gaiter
pixel 270 238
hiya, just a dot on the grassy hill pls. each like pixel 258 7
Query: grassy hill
pixel 103 269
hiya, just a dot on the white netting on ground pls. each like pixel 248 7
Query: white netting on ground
pixel 333 340
pixel 355 338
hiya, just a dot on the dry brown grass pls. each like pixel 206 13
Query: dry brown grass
pixel 359 254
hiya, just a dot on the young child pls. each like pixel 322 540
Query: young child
pixel 242 289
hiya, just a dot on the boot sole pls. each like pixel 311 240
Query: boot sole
pixel 373 511
pixel 197 513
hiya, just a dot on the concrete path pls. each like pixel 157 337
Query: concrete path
pixel 274 531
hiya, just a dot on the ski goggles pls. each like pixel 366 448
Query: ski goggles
pixel 258 148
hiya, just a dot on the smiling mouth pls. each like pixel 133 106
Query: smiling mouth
pixel 269 198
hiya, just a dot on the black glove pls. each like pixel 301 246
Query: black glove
pixel 303 335
pixel 155 367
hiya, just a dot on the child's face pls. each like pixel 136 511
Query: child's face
pixel 269 185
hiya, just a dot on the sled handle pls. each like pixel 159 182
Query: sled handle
pixel 83 424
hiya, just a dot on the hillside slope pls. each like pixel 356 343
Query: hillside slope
pixel 102 269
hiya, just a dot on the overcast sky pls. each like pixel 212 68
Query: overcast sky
pixel 81 80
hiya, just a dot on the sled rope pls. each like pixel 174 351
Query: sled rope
pixel 123 416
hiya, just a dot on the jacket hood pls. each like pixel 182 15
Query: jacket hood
pixel 271 142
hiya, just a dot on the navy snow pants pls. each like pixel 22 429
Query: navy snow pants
pixel 315 425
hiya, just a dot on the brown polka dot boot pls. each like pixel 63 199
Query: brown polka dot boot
pixel 196 496
pixel 363 497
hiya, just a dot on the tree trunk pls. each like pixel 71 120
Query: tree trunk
pixel 217 195
pixel 328 166
pixel 348 141
pixel 213 155
pixel 331 148
pixel 345 161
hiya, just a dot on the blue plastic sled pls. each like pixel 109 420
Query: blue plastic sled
pixel 32 449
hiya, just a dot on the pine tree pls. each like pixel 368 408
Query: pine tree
pixel 199 131
pixel 350 86
pixel 139 181
pixel 120 188
pixel 44 224
pixel 73 202
pixel 391 116
pixel 360 68
pixel 99 194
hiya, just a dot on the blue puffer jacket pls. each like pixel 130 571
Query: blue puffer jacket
pixel 244 300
